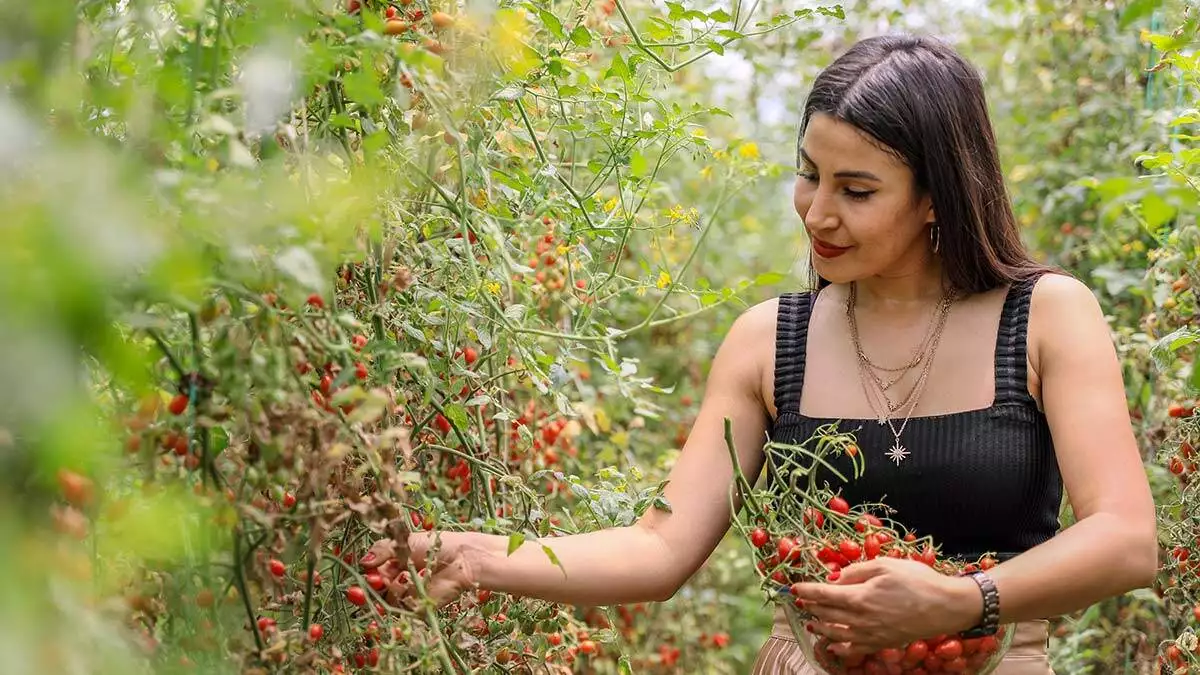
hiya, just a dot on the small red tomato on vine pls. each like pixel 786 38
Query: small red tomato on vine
pixel 851 549
pixel 315 632
pixel 76 489
pixel 1176 466
pixel 390 12
pixel 277 567
pixel 871 546
pixel 289 500
pixel 442 423
pixel 359 341
pixel 360 370
pixel 375 581
pixel 839 505
pixel 759 537
pixel 178 404
pixel 356 596
pixel 787 550
pixel 470 355
pixel 316 301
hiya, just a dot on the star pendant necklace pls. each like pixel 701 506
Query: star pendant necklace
pixel 883 408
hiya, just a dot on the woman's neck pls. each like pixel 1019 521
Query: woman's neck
pixel 905 291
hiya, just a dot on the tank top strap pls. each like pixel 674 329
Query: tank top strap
pixel 791 336
pixel 1012 372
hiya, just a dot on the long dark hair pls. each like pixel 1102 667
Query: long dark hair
pixel 924 103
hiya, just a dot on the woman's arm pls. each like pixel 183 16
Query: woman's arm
pixel 651 559
pixel 1112 548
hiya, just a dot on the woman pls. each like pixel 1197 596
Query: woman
pixel 979 384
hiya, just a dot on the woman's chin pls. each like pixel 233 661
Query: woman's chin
pixel 833 271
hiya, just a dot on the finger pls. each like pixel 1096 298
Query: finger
pixel 391 569
pixel 862 571
pixel 830 595
pixel 379 553
pixel 443 589
pixel 832 631
pixel 831 614
pixel 419 544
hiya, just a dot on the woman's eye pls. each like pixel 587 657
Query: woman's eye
pixel 859 195
pixel 809 176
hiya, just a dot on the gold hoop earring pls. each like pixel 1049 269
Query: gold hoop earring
pixel 935 237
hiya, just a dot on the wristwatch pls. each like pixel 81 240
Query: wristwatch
pixel 991 608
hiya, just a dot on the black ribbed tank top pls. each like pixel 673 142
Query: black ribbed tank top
pixel 978 481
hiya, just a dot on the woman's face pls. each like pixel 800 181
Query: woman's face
pixel 859 205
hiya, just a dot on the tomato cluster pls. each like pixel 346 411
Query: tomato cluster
pixel 805 533
pixel 941 654
pixel 553 275
pixel 825 547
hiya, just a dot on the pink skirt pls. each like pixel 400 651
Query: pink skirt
pixel 1027 655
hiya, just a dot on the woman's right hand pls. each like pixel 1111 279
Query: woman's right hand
pixel 445 577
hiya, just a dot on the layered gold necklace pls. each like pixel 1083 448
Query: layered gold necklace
pixel 872 376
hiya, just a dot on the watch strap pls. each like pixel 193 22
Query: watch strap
pixel 990 622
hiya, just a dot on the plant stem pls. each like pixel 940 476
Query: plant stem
pixel 239 575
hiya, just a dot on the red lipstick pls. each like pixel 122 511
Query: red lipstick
pixel 827 250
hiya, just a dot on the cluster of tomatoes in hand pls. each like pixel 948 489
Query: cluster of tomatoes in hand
pixel 826 540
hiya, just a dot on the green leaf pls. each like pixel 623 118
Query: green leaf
pixel 731 34
pixel 624 667
pixel 514 542
pixel 715 46
pixel 362 87
pixel 582 36
pixel 638 164
pixel 835 11
pixel 769 278
pixel 457 414
pixel 1156 210
pixel 552 24
pixel 1137 10
pixel 618 69
pixel 720 15
pixel 553 558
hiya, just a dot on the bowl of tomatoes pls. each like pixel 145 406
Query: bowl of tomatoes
pixel 937 654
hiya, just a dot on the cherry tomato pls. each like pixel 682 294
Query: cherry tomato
pixel 178 404
pixel 949 650
pixel 356 596
pixel 759 537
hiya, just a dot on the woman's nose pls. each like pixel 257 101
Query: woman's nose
pixel 814 207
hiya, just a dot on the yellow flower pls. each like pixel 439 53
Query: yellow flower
pixel 664 279
pixel 611 204
pixel 493 287
pixel 748 150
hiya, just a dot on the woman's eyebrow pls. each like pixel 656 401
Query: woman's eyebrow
pixel 864 175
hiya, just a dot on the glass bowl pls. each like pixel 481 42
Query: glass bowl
pixel 975 656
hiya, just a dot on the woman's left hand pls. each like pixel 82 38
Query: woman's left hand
pixel 889 602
